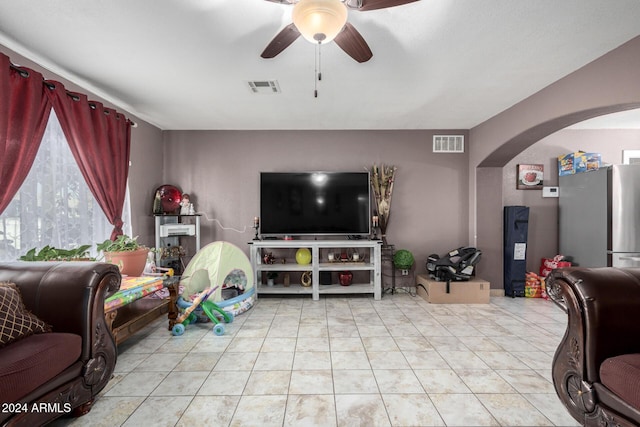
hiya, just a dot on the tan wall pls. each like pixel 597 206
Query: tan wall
pixel 145 175
pixel 220 170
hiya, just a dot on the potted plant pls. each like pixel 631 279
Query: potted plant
pixel 271 277
pixel 125 252
pixel 403 260
pixel 50 253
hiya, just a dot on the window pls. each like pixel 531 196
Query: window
pixel 54 205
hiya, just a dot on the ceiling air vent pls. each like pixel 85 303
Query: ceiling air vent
pixel 448 143
pixel 264 86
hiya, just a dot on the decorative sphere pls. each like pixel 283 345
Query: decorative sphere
pixel 303 256
pixel 403 259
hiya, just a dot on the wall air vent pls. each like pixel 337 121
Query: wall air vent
pixel 448 143
pixel 264 86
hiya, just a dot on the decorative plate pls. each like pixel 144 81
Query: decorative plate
pixel 170 197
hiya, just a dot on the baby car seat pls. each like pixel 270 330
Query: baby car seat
pixel 457 265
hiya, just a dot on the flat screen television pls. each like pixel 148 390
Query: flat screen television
pixel 314 203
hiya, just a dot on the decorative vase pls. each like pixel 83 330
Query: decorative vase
pixel 345 277
pixel 130 263
pixel 305 279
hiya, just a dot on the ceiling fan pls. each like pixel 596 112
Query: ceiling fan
pixel 321 21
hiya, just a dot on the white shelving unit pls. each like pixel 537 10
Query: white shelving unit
pixel 369 250
pixel 171 228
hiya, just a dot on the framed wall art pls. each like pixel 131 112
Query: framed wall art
pixel 530 177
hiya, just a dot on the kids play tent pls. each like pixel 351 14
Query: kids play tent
pixel 226 266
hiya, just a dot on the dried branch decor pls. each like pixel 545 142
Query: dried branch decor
pixel 382 179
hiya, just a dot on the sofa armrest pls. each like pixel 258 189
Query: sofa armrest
pixel 63 294
pixel 70 297
pixel 607 302
pixel 603 313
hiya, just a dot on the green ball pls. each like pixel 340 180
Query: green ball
pixel 303 256
pixel 403 259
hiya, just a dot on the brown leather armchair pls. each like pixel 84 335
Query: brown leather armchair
pixel 69 296
pixel 596 368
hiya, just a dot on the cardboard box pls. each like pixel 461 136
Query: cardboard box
pixel 577 162
pixel 474 291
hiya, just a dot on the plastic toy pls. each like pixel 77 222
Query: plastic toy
pixel 213 311
pixel 188 316
pixel 209 308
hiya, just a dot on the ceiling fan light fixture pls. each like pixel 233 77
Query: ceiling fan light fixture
pixel 319 21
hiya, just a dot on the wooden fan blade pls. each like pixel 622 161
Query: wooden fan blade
pixel 350 40
pixel 281 41
pixel 382 4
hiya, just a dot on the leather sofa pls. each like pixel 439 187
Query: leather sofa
pixel 596 368
pixel 47 375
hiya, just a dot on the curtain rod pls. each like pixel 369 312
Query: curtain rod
pixel 24 73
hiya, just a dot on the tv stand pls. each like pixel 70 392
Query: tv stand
pixel 284 252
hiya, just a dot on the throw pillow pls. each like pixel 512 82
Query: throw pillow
pixel 15 321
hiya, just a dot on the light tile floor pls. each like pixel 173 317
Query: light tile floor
pixel 344 362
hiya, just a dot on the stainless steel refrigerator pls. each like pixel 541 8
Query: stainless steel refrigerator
pixel 599 216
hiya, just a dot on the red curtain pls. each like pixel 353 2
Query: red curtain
pixel 100 139
pixel 24 111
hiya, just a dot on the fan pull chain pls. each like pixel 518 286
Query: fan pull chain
pixel 317 71
pixel 319 61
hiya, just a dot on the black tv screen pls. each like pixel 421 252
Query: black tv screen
pixel 314 203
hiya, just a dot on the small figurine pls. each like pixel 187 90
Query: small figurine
pixel 268 258
pixel 157 204
pixel 150 266
pixel 185 205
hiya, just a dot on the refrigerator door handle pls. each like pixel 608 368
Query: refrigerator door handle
pixel 630 258
pixel 625 260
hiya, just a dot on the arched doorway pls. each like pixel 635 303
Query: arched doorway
pixel 604 86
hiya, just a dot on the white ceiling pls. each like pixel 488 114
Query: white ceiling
pixel 622 120
pixel 437 64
